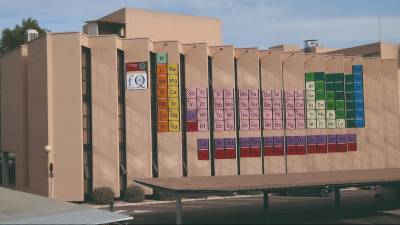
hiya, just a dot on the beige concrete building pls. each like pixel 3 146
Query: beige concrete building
pixel 143 94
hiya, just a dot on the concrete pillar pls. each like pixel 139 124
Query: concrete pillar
pixel 5 168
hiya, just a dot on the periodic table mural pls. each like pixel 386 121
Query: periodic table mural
pixel 328 101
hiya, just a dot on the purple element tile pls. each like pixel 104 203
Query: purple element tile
pixel 255 142
pixel 267 94
pixel 228 104
pixel 219 125
pixel 244 124
pixel 312 139
pixel 267 104
pixel 253 94
pixel 332 139
pixel 191 103
pixel 201 92
pixel 191 115
pixel 351 138
pixel 321 139
pixel 228 93
pixel 289 104
pixel 300 140
pixel 191 93
pixel 244 114
pixel 254 124
pixel 291 140
pixel 276 94
pixel 299 104
pixel 277 124
pixel 300 124
pixel 243 104
pixel 218 103
pixel 268 125
pixel 268 141
pixel 253 104
pixel 202 126
pixel 267 114
pixel 290 114
pixel 244 142
pixel 299 95
pixel 202 144
pixel 202 114
pixel 202 103
pixel 230 143
pixel 219 93
pixel 277 104
pixel 277 114
pixel 291 124
pixel 289 95
pixel 341 138
pixel 278 141
pixel 219 143
pixel 254 114
pixel 243 94
pixel 219 115
pixel 299 114
pixel 229 125
pixel 229 114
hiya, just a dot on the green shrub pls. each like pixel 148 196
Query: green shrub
pixel 134 193
pixel 102 196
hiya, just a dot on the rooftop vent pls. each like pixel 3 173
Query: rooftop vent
pixel 311 43
pixel 30 35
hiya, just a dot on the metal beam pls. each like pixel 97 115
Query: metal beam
pixel 178 210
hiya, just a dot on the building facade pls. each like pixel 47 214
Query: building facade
pixel 117 106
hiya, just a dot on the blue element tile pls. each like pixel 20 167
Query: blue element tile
pixel 359 96
pixel 357 68
pixel 359 114
pixel 358 86
pixel 359 104
pixel 360 123
pixel 358 78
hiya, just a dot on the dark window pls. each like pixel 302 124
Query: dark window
pixel 87 122
pixel 121 121
pixel 153 69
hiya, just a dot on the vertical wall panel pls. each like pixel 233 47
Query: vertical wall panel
pixel 197 129
pixel 223 80
pixel 170 143
pixel 248 82
pixel 271 80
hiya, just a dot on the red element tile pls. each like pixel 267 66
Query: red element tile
pixel 268 151
pixel 322 149
pixel 312 149
pixel 219 154
pixel 351 147
pixel 191 126
pixel 291 150
pixel 245 152
pixel 255 152
pixel 341 147
pixel 332 147
pixel 203 155
pixel 301 150
pixel 230 153
pixel 278 151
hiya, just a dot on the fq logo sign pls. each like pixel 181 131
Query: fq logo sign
pixel 136 76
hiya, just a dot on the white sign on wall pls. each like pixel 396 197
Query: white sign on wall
pixel 136 80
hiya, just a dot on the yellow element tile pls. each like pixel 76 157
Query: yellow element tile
pixel 173 69
pixel 173 103
pixel 174 126
pixel 173 114
pixel 173 92
pixel 173 80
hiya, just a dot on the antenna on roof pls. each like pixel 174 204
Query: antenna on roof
pixel 379 25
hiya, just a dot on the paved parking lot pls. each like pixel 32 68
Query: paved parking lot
pixel 358 207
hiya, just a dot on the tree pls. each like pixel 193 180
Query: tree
pixel 12 38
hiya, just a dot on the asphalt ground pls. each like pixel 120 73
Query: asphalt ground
pixel 357 207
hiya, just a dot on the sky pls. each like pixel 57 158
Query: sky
pixel 246 23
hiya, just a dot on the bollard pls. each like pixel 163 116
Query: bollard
pixel 112 206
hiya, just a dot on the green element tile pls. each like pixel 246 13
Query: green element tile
pixel 350 105
pixel 162 58
pixel 330 77
pixel 340 114
pixel 330 86
pixel 330 95
pixel 350 123
pixel 349 78
pixel 319 85
pixel 331 105
pixel 339 95
pixel 350 114
pixel 319 76
pixel 339 77
pixel 349 96
pixel 339 86
pixel 339 104
pixel 309 76
pixel 320 95
pixel 349 87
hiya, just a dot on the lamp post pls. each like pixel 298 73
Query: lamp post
pixel 48 149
